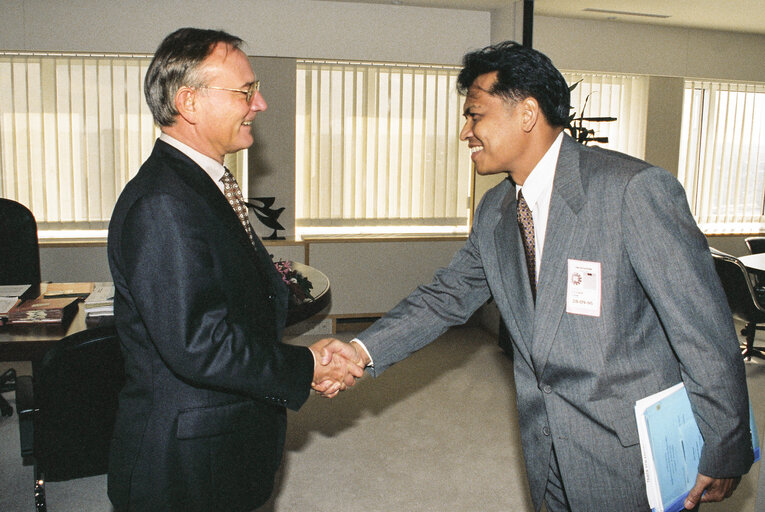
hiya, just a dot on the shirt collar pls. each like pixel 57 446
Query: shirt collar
pixel 543 174
pixel 212 167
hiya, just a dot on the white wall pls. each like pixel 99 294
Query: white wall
pixel 650 49
pixel 282 28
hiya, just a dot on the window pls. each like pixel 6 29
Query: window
pixel 722 155
pixel 73 130
pixel 378 150
pixel 624 97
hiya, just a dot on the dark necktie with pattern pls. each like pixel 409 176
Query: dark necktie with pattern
pixel 526 225
pixel 235 199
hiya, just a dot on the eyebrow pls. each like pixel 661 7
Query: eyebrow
pixel 469 110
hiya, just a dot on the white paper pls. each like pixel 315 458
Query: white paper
pixel 6 303
pixel 13 290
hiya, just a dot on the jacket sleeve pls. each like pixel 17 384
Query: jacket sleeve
pixel 453 295
pixel 673 264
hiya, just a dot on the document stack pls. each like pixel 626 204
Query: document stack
pixel 10 297
pixel 671 443
pixel 100 302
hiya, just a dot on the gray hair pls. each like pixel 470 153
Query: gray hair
pixel 176 64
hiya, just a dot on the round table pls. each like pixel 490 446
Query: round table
pixel 320 292
pixel 754 262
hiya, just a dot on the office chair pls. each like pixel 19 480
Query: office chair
pixel 756 244
pixel 19 264
pixel 19 252
pixel 67 411
pixel 743 300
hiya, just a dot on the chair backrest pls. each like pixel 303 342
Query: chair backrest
pixel 76 387
pixel 756 244
pixel 19 250
pixel 738 287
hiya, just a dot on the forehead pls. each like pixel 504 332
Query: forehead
pixel 225 60
pixel 479 94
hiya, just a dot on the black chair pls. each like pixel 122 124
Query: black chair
pixel 756 244
pixel 19 264
pixel 67 411
pixel 744 302
pixel 19 252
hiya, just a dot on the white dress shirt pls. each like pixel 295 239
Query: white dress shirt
pixel 537 191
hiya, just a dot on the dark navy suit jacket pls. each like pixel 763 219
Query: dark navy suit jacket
pixel 200 315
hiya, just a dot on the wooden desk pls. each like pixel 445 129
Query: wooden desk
pixel 31 342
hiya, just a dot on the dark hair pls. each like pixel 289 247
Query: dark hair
pixel 521 73
pixel 176 64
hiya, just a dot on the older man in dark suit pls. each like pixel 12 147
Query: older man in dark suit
pixel 199 306
pixel 605 285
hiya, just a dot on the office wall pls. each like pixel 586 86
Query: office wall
pixel 273 28
pixel 279 30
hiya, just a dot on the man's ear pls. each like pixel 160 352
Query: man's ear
pixel 186 103
pixel 530 113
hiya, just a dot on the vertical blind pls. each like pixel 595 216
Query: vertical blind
pixel 73 130
pixel 378 150
pixel 624 97
pixel 722 155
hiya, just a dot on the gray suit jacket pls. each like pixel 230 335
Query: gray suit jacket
pixel 664 318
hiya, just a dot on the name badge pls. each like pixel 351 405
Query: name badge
pixel 583 288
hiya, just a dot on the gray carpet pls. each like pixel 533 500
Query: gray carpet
pixel 437 432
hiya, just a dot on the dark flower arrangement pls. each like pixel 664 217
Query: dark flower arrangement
pixel 299 285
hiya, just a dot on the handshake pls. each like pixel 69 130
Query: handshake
pixel 337 365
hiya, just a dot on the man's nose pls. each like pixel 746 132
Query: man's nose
pixel 466 132
pixel 258 102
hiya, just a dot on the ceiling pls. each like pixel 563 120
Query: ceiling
pixel 729 15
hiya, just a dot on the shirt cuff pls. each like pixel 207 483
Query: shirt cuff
pixel 361 344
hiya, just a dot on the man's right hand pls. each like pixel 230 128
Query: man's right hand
pixel 337 366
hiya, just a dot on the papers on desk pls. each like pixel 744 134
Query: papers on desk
pixel 67 290
pixel 13 290
pixel 100 302
pixel 6 303
pixel 670 442
pixel 9 297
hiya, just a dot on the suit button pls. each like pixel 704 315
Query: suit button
pixel 546 430
pixel 547 389
pixel 270 297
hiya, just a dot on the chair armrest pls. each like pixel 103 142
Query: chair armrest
pixel 25 408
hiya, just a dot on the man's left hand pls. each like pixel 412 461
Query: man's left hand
pixel 717 489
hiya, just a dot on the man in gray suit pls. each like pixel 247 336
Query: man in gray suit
pixel 605 285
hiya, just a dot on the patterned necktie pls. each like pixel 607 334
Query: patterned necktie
pixel 526 225
pixel 235 199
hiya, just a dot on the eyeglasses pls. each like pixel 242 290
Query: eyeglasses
pixel 248 93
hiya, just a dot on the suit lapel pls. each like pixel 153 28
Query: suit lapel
pixel 564 233
pixel 511 259
pixel 200 182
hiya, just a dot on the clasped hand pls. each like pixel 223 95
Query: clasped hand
pixel 337 366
